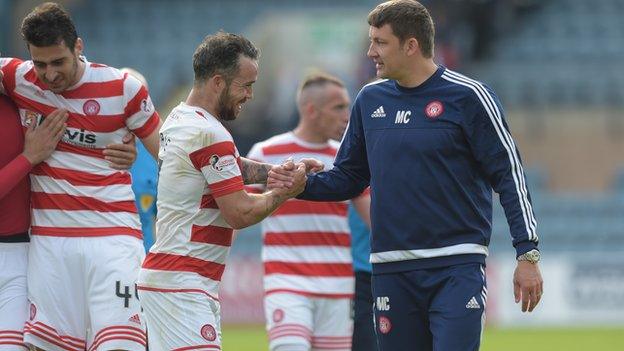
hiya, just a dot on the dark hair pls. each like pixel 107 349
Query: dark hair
pixel 408 19
pixel 49 24
pixel 219 54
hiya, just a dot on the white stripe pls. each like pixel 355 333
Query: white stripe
pixel 202 251
pixel 309 254
pixel 109 193
pixel 138 119
pixel 512 150
pixel 319 285
pixel 305 223
pixel 104 74
pixel 507 141
pixel 85 219
pixel 404 255
pixel 177 280
pixel 375 82
pixel 82 163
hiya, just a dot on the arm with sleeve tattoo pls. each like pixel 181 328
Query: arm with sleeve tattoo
pixel 254 172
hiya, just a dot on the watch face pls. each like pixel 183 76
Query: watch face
pixel 533 255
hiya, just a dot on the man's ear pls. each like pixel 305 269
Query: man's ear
pixel 411 46
pixel 79 47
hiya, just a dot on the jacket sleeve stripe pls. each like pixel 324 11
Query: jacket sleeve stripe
pixel 494 113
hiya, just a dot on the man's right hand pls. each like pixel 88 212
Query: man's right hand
pixel 41 140
pixel 298 173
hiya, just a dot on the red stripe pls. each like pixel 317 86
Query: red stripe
pixel 95 152
pixel 207 201
pixel 118 337
pixel 12 338
pixel 307 293
pixel 212 235
pixel 296 207
pixel 99 124
pixel 49 330
pixel 97 65
pixel 77 203
pixel 161 290
pixel 287 334
pixel 289 326
pixel 50 340
pixel 309 269
pixel 10 332
pixel 227 186
pixel 94 90
pixel 201 157
pixel 78 178
pixel 253 189
pixel 308 239
pixel 134 105
pixel 332 338
pixel 198 347
pixel 292 148
pixel 170 262
pixel 31 76
pixel 121 328
pixel 85 232
pixel 39 329
pixel 148 127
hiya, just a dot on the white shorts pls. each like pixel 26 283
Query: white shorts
pixel 83 293
pixel 183 319
pixel 13 295
pixel 319 323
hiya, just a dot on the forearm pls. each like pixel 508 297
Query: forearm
pixel 13 173
pixel 254 172
pixel 257 208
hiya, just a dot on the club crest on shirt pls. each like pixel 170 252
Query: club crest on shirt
pixel 29 117
pixel 278 315
pixel 222 163
pixel 208 332
pixel 91 107
pixel 434 109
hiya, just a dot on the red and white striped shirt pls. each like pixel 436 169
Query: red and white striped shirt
pixel 75 192
pixel 307 245
pixel 199 162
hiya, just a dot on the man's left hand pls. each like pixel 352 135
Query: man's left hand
pixel 122 156
pixel 528 285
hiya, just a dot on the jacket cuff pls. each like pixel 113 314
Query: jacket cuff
pixel 524 247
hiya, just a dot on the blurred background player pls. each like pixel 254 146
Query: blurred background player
pixel 86 247
pixel 201 198
pixel 308 276
pixel 144 180
pixel 363 326
pixel 431 222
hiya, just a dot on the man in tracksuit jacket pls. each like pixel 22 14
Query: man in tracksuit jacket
pixel 432 144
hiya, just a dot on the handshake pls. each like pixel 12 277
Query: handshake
pixel 289 178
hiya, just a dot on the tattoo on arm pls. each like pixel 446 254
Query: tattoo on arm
pixel 254 172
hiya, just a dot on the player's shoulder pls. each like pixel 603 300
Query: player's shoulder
pixel 375 86
pixel 279 139
pixel 192 120
pixel 470 88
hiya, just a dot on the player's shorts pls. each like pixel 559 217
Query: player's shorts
pixel 363 327
pixel 319 323
pixel 430 309
pixel 83 293
pixel 13 295
pixel 182 319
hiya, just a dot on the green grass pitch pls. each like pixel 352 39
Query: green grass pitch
pixel 253 338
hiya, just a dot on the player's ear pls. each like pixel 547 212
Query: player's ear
pixel 79 47
pixel 411 46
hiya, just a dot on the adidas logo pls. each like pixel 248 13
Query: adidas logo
pixel 135 319
pixel 473 303
pixel 379 112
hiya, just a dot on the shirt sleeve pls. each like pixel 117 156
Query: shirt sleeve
pixel 350 174
pixel 141 115
pixel 9 70
pixel 13 173
pixel 495 150
pixel 218 163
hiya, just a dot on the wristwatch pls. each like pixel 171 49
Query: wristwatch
pixel 532 256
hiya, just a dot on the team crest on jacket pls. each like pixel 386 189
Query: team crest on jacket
pixel 91 107
pixel 434 109
pixel 384 325
pixel 208 332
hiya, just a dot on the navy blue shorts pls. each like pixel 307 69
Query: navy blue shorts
pixel 363 327
pixel 440 309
